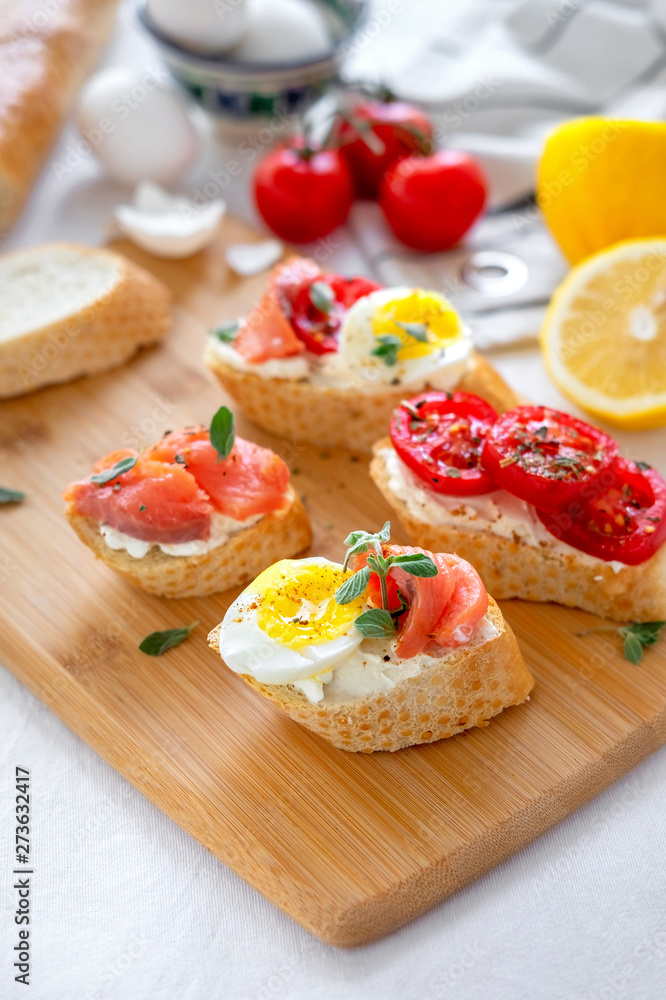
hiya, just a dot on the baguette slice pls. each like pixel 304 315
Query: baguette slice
pixel 512 568
pixel 278 535
pixel 461 690
pixel 68 310
pixel 47 47
pixel 337 418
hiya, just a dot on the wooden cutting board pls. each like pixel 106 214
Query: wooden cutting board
pixel 349 845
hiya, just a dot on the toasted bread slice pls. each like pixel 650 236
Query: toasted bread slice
pixel 278 535
pixel 513 568
pixel 332 417
pixel 462 689
pixel 69 310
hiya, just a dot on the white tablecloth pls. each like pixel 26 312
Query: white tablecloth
pixel 128 907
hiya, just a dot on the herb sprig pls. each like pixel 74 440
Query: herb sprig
pixel 379 622
pixel 637 637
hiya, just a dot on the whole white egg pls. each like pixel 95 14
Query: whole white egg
pixel 137 128
pixel 204 25
pixel 282 30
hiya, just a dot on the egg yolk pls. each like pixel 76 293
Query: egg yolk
pixel 437 324
pixel 296 604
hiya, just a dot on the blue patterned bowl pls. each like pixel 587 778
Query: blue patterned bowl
pixel 249 92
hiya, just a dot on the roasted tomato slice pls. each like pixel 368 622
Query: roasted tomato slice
pixel 546 457
pixel 622 516
pixel 320 308
pixel 440 435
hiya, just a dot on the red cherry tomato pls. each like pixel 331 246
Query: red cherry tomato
pixel 622 516
pixel 303 194
pixel 320 307
pixel 400 128
pixel 546 457
pixel 440 436
pixel 431 201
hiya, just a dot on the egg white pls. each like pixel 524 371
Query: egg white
pixel 247 649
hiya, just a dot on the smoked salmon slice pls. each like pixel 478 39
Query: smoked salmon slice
pixel 251 480
pixel 267 332
pixel 426 597
pixel 154 501
pixel 443 609
pixel 467 605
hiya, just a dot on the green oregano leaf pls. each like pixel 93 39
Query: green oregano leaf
pixel 10 496
pixel 222 432
pixel 322 296
pixel 353 587
pixel 124 465
pixel 633 648
pixel 158 642
pixel 228 332
pixel 387 348
pixel 375 624
pixel 416 564
pixel 419 331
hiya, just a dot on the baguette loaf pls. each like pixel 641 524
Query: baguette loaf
pixel 332 417
pixel 46 51
pixel 68 310
pixel 513 568
pixel 458 691
pixel 278 535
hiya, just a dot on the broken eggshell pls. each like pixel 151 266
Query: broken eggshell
pixel 252 258
pixel 168 226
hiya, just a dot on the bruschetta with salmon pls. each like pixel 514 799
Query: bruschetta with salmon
pixel 325 358
pixel 540 502
pixel 395 646
pixel 199 512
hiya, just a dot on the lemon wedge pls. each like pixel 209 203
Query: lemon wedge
pixel 604 335
pixel 601 180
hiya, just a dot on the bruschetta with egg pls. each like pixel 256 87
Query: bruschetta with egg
pixel 198 512
pixel 325 359
pixel 537 500
pixel 394 647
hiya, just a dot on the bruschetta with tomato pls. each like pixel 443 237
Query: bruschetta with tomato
pixel 325 358
pixel 538 501
pixel 198 512
pixel 395 646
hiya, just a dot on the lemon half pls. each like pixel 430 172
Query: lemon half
pixel 604 335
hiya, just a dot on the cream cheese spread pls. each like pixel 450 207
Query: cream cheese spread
pixel 373 668
pixel 221 527
pixel 498 512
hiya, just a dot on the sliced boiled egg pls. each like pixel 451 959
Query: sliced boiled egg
pixel 405 334
pixel 287 626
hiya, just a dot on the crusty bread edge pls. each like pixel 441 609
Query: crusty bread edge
pixel 334 417
pixel 465 689
pixel 278 535
pixel 135 311
pixel 512 568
